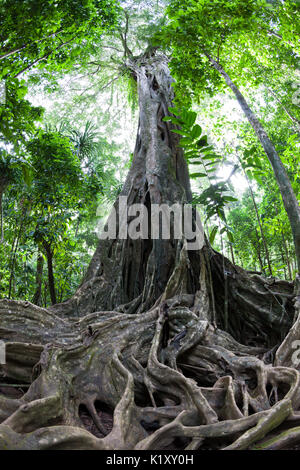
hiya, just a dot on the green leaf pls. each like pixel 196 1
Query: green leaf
pixel 206 149
pixel 185 141
pixel 176 131
pixel 221 214
pixel 230 237
pixel 191 154
pixel 196 131
pixel 213 234
pixel 173 119
pixel 211 156
pixel 229 198
pixel 197 175
pixel 202 142
pixel 188 117
pixel 27 174
pixel 173 110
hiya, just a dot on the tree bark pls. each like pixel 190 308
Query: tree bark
pixel 37 298
pixel 287 257
pixel 3 187
pixel 257 249
pixel 158 175
pixel 51 281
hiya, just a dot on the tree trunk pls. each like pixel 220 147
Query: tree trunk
pixel 15 246
pixel 13 261
pixel 121 271
pixel 51 281
pixel 288 196
pixel 137 358
pixel 287 257
pixel 37 298
pixel 3 187
pixel 258 219
pixel 232 254
pixel 257 249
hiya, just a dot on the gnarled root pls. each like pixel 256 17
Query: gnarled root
pixel 169 380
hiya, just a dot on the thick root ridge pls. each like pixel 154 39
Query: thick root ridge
pixel 170 379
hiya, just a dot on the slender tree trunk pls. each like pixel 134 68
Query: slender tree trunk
pixel 232 253
pixel 51 281
pixel 288 196
pixel 257 248
pixel 258 219
pixel 14 250
pixel 3 187
pixel 13 261
pixel 45 293
pixel 283 260
pixel 37 298
pixel 262 233
pixel 287 256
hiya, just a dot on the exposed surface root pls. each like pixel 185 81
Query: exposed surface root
pixel 163 379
